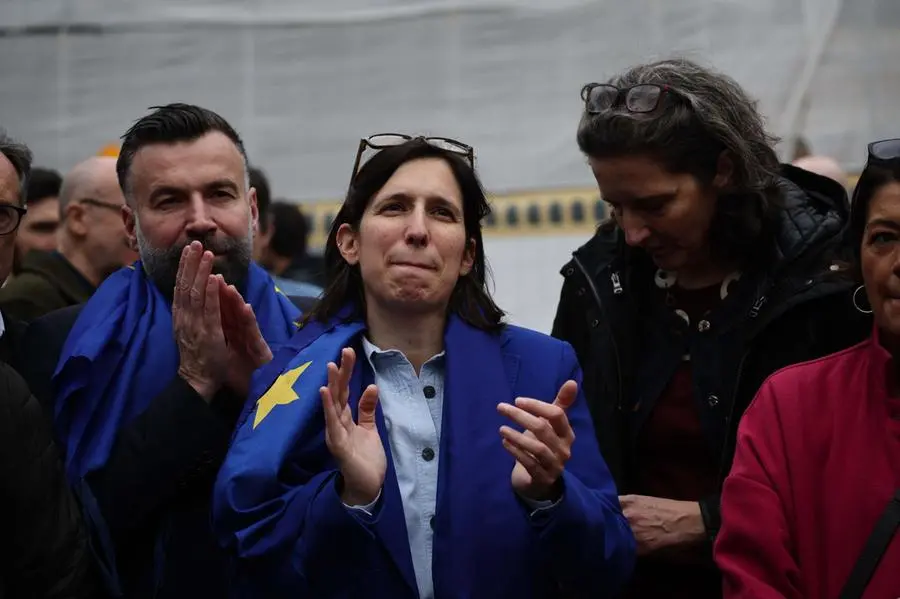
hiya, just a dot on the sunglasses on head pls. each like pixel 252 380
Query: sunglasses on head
pixel 884 152
pixel 643 98
pixel 381 141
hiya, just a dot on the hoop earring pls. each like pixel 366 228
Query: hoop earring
pixel 856 301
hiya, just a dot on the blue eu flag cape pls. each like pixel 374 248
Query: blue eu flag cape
pixel 121 353
pixel 287 408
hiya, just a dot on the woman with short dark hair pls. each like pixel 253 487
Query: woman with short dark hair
pixel 717 267
pixel 424 470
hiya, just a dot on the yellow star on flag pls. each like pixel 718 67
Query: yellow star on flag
pixel 281 393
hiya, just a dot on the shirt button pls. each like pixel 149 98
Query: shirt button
pixel 703 326
pixel 428 454
pixel 429 391
pixel 712 400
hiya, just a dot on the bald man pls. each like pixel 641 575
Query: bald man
pixel 823 165
pixel 91 245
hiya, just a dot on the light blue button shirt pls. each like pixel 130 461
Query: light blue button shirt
pixel 413 423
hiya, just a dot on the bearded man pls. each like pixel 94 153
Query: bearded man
pixel 147 379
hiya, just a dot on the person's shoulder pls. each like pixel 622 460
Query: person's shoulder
pixel 56 322
pixel 533 343
pixel 815 383
pixel 25 285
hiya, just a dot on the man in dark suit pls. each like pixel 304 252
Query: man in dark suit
pixel 44 537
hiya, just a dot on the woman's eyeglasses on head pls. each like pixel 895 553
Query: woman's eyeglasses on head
pixel 643 98
pixel 380 141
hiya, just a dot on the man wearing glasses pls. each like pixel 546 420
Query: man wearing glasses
pixel 91 245
pixel 44 536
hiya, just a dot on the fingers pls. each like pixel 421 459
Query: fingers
pixel 567 395
pixel 540 427
pixel 543 454
pixel 523 457
pixel 226 301
pixel 212 316
pixel 182 284
pixel 333 427
pixel 179 277
pixel 332 384
pixel 626 501
pixel 202 282
pixel 348 361
pixel 367 405
pixel 538 473
pixel 189 263
pixel 551 413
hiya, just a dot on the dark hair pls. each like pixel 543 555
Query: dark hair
pixel 170 124
pixel 470 300
pixel 260 182
pixel 873 178
pixel 42 184
pixel 290 230
pixel 20 157
pixel 705 115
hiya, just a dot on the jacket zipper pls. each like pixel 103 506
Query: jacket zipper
pixel 617 290
pixel 754 313
pixel 617 286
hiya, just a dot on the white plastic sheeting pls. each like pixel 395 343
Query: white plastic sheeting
pixel 303 80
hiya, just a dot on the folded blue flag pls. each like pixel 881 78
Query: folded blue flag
pixel 121 353
pixel 288 410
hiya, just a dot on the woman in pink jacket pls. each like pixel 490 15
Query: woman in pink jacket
pixel 812 504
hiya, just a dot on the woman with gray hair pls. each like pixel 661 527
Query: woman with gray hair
pixel 717 267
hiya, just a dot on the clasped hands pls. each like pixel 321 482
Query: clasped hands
pixel 541 451
pixel 219 341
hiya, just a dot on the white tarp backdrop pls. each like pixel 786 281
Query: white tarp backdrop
pixel 303 79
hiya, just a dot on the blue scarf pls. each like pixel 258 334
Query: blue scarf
pixel 121 353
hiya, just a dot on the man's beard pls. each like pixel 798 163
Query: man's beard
pixel 233 256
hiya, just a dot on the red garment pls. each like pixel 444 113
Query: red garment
pixel 818 459
pixel 673 458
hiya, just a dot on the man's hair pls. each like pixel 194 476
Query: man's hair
pixel 171 124
pixel 43 183
pixel 20 157
pixel 290 230
pixel 260 182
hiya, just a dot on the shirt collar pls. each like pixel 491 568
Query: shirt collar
pixel 373 350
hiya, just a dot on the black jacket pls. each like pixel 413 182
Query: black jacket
pixel 45 546
pixel 798 308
